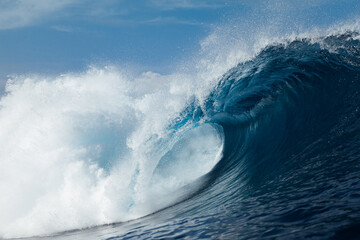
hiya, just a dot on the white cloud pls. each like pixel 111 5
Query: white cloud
pixel 169 5
pixel 282 5
pixel 62 28
pixel 20 13
pixel 170 20
pixel 154 21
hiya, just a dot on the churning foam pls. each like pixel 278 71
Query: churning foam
pixel 81 150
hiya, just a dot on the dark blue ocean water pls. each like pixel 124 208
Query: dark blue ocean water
pixel 291 160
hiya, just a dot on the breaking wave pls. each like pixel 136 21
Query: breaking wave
pixel 269 148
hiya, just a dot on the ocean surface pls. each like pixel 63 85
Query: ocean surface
pixel 267 148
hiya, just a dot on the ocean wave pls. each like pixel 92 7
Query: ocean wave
pixel 271 146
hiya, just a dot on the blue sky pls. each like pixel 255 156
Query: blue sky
pixel 54 36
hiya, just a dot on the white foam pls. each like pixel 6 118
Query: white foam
pixel 79 150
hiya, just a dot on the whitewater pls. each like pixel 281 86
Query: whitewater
pixel 258 139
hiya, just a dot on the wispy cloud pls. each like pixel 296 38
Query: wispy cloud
pixel 22 13
pixel 174 4
pixel 155 21
pixel 170 20
pixel 19 13
pixel 62 28
pixel 282 5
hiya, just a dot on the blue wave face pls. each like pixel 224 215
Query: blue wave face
pixel 291 157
